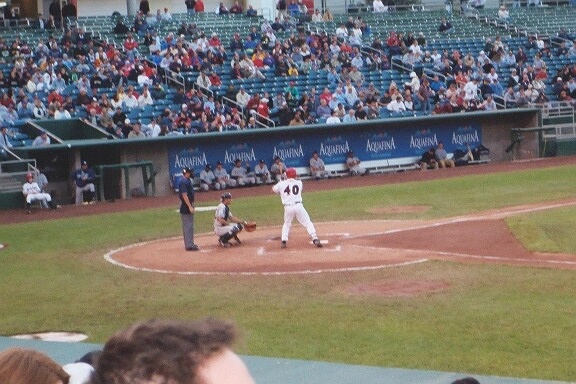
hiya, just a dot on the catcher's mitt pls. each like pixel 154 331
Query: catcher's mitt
pixel 250 226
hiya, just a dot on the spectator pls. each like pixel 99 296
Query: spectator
pixel 327 16
pixel 56 12
pixel 488 104
pixel 236 9
pixel 83 179
pixel 136 132
pixel 60 113
pixel 333 118
pixel 5 143
pixel 466 380
pixel 444 26
pixel 41 140
pixel 183 353
pixel 317 16
pixel 144 7
pixel 428 160
pixel 396 106
pixel 379 6
pixel 353 165
pixel 190 6
pixel 222 9
pixel 350 117
pixel 29 366
pixel 242 97
pixel 166 16
pixel 510 98
pixel 199 8
pixel 503 14
pixel 251 12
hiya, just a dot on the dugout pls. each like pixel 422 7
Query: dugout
pixel 382 145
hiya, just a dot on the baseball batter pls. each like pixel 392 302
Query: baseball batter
pixel 226 225
pixel 290 191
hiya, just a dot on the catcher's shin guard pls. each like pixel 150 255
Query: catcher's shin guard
pixel 226 237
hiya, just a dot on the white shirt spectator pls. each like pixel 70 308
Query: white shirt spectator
pixel 242 97
pixel 333 120
pixel 145 99
pixel 342 32
pixel 130 101
pixel 396 105
pixel 203 81
pixel 379 6
pixel 471 89
pixel 62 114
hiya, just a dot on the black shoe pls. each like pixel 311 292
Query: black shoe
pixel 193 248
pixel 283 244
pixel 317 243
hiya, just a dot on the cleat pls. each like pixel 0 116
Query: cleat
pixel 283 244
pixel 317 243
pixel 193 248
pixel 224 244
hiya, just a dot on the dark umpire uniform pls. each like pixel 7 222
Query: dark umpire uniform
pixel 186 195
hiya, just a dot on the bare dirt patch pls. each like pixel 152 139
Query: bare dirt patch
pixel 400 209
pixel 398 288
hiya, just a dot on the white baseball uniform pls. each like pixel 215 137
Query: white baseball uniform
pixel 290 191
pixel 32 192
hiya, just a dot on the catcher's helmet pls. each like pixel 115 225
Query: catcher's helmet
pixel 291 173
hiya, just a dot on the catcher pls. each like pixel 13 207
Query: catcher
pixel 226 225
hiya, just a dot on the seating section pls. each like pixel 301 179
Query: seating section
pixel 468 35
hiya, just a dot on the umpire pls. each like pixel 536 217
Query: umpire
pixel 186 195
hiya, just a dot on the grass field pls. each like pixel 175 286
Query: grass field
pixel 493 319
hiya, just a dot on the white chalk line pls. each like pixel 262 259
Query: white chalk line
pixel 463 219
pixel 468 256
pixel 110 259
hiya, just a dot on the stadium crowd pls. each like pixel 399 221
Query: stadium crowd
pixel 68 73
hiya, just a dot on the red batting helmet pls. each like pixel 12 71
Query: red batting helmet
pixel 291 173
pixel 29 175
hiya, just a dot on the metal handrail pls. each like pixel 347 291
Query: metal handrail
pixel 231 102
pixel 262 117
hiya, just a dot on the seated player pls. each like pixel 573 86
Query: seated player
pixel 32 192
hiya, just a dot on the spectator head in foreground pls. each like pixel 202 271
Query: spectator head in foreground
pixel 172 351
pixel 466 380
pixel 20 366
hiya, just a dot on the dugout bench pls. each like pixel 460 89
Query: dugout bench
pixel 148 177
